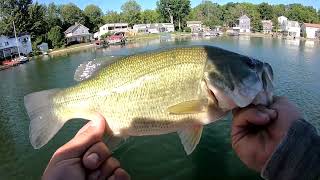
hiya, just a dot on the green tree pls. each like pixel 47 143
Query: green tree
pixel 53 16
pixel 279 10
pixel 55 36
pixel 94 15
pixel 17 11
pixel 112 17
pixel 131 12
pixel 37 24
pixel 177 10
pixel 266 11
pixel 71 14
pixel 149 16
pixel 209 13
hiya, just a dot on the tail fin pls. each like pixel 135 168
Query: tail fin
pixel 44 122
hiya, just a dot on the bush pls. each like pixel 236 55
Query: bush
pixel 56 37
pixel 187 29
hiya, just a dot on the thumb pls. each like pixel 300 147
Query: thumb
pixel 88 135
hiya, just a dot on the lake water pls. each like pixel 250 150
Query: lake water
pixel 296 67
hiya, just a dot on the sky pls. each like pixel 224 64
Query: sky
pixel 115 5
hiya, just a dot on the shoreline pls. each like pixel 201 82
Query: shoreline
pixel 158 36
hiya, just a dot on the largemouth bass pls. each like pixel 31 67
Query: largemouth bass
pixel 172 90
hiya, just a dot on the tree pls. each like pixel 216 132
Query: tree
pixel 150 16
pixel 131 12
pixel 71 14
pixel 112 17
pixel 17 11
pixel 55 36
pixel 174 10
pixel 53 16
pixel 266 11
pixel 94 15
pixel 209 13
pixel 37 24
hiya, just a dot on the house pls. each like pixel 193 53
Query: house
pixel 282 20
pixel 310 30
pixel 293 29
pixel 169 27
pixel 160 27
pixel 195 26
pixel 44 48
pixel 244 24
pixel 113 28
pixel 138 28
pixel 266 26
pixel 77 33
pixel 289 28
pixel 9 45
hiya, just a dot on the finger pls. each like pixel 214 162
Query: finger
pixel 250 115
pixel 120 174
pixel 272 113
pixel 88 135
pixel 96 155
pixel 108 168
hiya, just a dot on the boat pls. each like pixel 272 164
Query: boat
pixel 11 63
pixel 22 59
pixel 116 38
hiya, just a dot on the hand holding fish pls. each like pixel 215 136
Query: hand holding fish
pixel 85 157
pixel 257 130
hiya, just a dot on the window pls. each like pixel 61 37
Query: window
pixel 6 43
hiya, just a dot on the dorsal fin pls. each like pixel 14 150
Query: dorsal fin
pixel 90 68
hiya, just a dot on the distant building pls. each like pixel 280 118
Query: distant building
pixel 138 28
pixel 113 28
pixel 160 27
pixel 283 21
pixel 77 33
pixel 244 24
pixel 289 28
pixel 9 46
pixel 195 26
pixel 293 29
pixel 169 27
pixel 266 26
pixel 310 30
pixel 44 48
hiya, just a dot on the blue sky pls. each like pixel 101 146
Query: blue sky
pixel 151 4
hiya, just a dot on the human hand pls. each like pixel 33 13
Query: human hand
pixel 85 157
pixel 257 130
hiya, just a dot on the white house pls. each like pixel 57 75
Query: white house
pixel 195 26
pixel 77 33
pixel 282 20
pixel 9 46
pixel 244 24
pixel 112 28
pixel 289 28
pixel 293 29
pixel 310 30
pixel 140 28
pixel 169 27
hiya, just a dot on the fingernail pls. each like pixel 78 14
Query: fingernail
pixel 112 177
pixel 95 175
pixel 94 158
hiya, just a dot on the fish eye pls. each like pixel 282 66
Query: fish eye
pixel 251 63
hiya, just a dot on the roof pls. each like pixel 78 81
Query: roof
pixel 114 24
pixel 194 22
pixel 73 28
pixel 312 25
pixel 244 17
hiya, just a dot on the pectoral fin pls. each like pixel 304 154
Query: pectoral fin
pixel 188 107
pixel 190 137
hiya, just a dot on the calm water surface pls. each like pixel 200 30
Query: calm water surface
pixel 296 67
